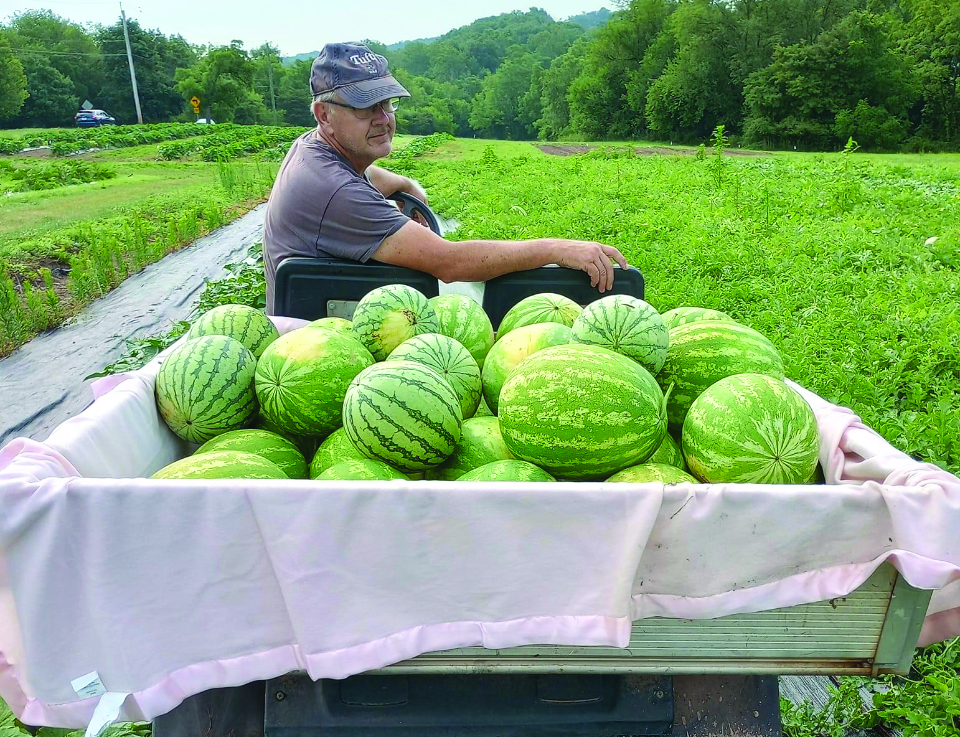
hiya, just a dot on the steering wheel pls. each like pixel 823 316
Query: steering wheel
pixel 416 210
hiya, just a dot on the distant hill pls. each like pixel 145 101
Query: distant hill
pixel 400 44
pixel 593 19
pixel 289 61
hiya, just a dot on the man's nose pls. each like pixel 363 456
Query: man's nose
pixel 379 113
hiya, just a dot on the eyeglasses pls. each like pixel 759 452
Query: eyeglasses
pixel 388 106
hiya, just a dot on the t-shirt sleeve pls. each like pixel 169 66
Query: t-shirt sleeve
pixel 357 220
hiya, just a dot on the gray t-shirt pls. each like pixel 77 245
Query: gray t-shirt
pixel 321 207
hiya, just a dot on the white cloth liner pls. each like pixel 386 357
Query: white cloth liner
pixel 168 588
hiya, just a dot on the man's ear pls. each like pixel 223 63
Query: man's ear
pixel 321 113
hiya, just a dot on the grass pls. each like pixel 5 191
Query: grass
pixel 17 132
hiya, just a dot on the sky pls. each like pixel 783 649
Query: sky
pixel 296 26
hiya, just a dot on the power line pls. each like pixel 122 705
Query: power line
pixel 69 53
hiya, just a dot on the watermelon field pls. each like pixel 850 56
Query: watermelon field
pixel 846 263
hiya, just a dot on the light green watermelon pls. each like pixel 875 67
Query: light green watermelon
pixel 303 376
pixel 703 352
pixel 507 470
pixel 626 325
pixel 581 411
pixel 480 443
pixel 265 444
pixel 646 472
pixel 462 319
pixel 221 464
pixel 449 359
pixel 669 453
pixel 683 315
pixel 306 444
pixel 404 413
pixel 335 449
pixel 539 308
pixel 391 314
pixel 333 323
pixel 205 387
pixel 246 324
pixel 508 352
pixel 751 429
pixel 361 469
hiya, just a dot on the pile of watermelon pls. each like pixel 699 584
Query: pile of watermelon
pixel 413 388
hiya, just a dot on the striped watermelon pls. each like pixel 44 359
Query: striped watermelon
pixel 751 429
pixel 449 359
pixel 389 315
pixel 539 308
pixel 404 413
pixel 508 352
pixel 462 319
pixel 333 323
pixel 669 453
pixel 303 376
pixel 581 411
pixel 662 473
pixel 706 351
pixel 205 387
pixel 508 470
pixel 480 443
pixel 265 444
pixel 335 449
pixel 221 464
pixel 306 444
pixel 683 315
pixel 626 325
pixel 251 327
pixel 361 469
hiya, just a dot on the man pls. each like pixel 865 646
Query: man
pixel 329 199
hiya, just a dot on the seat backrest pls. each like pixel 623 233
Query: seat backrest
pixel 311 288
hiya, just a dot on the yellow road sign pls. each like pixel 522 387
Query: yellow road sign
pixel 196 109
pixel 195 101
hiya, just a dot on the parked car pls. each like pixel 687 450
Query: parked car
pixel 206 121
pixel 93 118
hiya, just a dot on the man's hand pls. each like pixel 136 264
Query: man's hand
pixel 593 258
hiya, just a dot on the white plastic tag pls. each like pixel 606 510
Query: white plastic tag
pixel 106 713
pixel 88 685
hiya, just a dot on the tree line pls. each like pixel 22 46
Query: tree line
pixel 805 74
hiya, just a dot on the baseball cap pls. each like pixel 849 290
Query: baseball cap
pixel 358 75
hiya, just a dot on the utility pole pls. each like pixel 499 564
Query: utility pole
pixel 133 75
pixel 273 100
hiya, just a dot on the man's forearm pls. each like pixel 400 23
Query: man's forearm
pixel 483 260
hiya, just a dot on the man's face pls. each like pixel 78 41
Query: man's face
pixel 362 141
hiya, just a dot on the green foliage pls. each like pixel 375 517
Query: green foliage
pixel 13 82
pixel 10 726
pixel 223 80
pixel 59 174
pixel 52 99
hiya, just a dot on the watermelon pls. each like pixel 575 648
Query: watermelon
pixel 582 411
pixel 265 444
pixel 511 350
pixel 539 308
pixel 404 413
pixel 306 444
pixel 246 324
pixel 360 469
pixel 706 351
pixel 751 429
pixel 221 464
pixel 336 448
pixel 389 315
pixel 205 387
pixel 482 409
pixel 303 376
pixel 480 443
pixel 683 315
pixel 646 472
pixel 508 470
pixel 462 319
pixel 669 453
pixel 333 323
pixel 449 359
pixel 626 325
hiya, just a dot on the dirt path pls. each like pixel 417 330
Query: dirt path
pixel 42 382
pixel 569 149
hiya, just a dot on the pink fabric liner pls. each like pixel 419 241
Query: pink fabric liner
pixel 35 477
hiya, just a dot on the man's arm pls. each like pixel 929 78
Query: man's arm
pixel 419 248
pixel 387 182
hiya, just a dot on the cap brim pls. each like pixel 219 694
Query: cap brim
pixel 371 91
